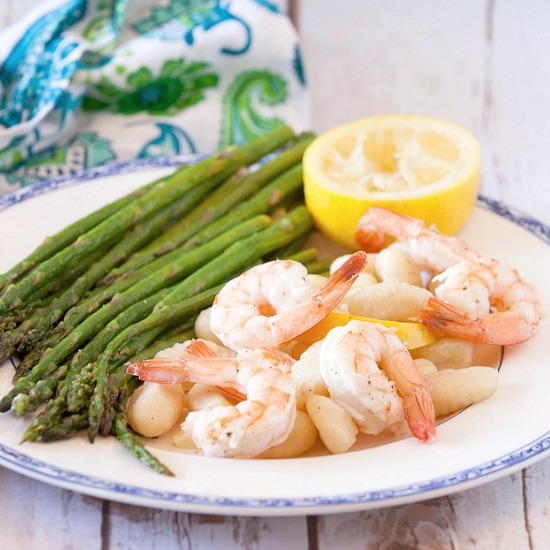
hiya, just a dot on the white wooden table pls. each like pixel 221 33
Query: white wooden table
pixel 481 63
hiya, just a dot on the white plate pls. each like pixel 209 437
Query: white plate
pixel 491 439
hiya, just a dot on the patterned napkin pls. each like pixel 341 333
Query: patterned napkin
pixel 86 82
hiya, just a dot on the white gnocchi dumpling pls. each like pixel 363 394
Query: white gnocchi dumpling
pixel 316 281
pixel 202 327
pixel 394 265
pixel 452 390
pixel 391 301
pixel 425 366
pixel 301 439
pixel 153 409
pixel 336 427
pixel 307 375
pixel 341 260
pixel 447 353
pixel 203 396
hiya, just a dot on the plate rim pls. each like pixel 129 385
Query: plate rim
pixel 133 494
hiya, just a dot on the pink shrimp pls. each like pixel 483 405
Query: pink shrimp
pixel 467 291
pixel 273 303
pixel 244 430
pixel 369 372
pixel 466 285
pixel 429 249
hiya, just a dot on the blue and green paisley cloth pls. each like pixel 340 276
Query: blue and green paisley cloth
pixel 86 82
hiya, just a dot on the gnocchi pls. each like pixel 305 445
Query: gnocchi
pixel 307 375
pixel 425 366
pixel 202 327
pixel 447 353
pixel 301 439
pixel 201 396
pixel 336 427
pixel 452 390
pixel 153 409
pixel 391 301
pixel 394 265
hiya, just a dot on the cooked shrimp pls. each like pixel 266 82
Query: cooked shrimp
pixel 370 373
pixel 273 303
pixel 465 294
pixel 466 285
pixel 429 249
pixel 264 419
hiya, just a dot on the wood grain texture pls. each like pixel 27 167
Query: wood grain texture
pixel 143 528
pixel 36 516
pixel 481 63
pixel 487 517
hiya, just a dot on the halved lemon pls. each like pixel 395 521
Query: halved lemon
pixel 420 166
pixel 414 335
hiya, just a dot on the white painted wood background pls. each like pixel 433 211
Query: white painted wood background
pixel 482 63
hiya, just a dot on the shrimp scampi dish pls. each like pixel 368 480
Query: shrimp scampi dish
pixel 286 363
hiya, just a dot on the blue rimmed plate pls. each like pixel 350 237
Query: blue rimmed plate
pixel 491 439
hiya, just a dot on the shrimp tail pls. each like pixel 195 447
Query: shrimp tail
pixel 378 222
pixel 442 316
pixel 500 328
pixel 369 238
pixel 160 370
pixel 422 423
pixel 198 348
pixel 342 279
pixel 236 395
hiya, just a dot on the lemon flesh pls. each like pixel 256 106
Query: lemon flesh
pixel 423 167
pixel 413 335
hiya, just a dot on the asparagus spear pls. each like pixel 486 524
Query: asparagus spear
pixel 133 444
pixel 320 266
pixel 69 234
pixel 153 282
pixel 146 293
pixel 53 410
pixel 44 389
pixel 66 428
pixel 260 203
pixel 305 256
pixel 290 249
pixel 241 253
pixel 219 166
pixel 46 296
pixel 219 202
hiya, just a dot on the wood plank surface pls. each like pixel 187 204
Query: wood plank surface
pixel 483 64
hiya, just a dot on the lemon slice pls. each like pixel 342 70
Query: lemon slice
pixel 414 335
pixel 424 167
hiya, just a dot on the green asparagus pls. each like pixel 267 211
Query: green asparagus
pixel 242 252
pixel 219 202
pixel 260 203
pixel 133 444
pixel 319 266
pixel 66 236
pixel 303 257
pixel 220 167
